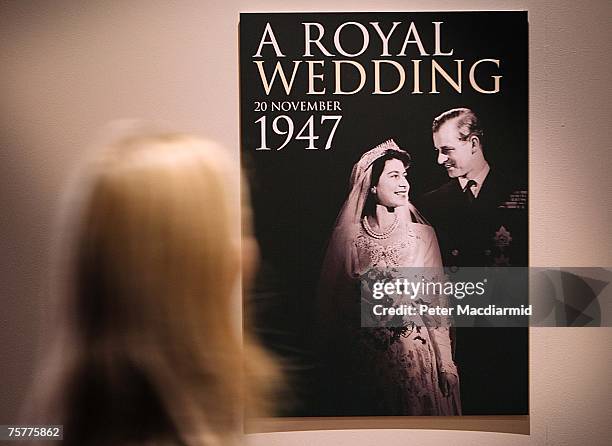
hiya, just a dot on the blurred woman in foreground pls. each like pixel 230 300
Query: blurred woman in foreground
pixel 151 352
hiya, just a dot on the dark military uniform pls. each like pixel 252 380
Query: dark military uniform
pixel 490 229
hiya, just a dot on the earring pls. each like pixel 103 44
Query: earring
pixel 373 189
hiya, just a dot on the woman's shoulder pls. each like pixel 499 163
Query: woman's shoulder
pixel 420 230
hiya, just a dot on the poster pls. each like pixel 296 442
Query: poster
pixel 317 92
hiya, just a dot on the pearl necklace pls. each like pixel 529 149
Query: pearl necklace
pixel 380 235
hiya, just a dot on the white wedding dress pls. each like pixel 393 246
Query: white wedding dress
pixel 396 372
pixel 378 371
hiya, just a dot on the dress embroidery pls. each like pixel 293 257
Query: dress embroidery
pixel 401 372
pixel 386 255
pixel 381 255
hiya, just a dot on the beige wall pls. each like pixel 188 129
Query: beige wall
pixel 66 69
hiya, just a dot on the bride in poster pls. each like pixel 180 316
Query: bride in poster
pixel 381 371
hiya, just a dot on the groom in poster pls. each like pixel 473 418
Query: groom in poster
pixel 481 220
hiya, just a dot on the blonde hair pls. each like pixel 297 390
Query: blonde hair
pixel 151 315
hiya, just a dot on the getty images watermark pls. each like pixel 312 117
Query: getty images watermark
pixel 493 297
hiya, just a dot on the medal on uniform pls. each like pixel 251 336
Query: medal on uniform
pixel 502 238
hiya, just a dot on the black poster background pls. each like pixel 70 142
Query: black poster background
pixel 297 193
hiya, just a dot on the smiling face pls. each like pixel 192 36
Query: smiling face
pixel 392 188
pixel 455 154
